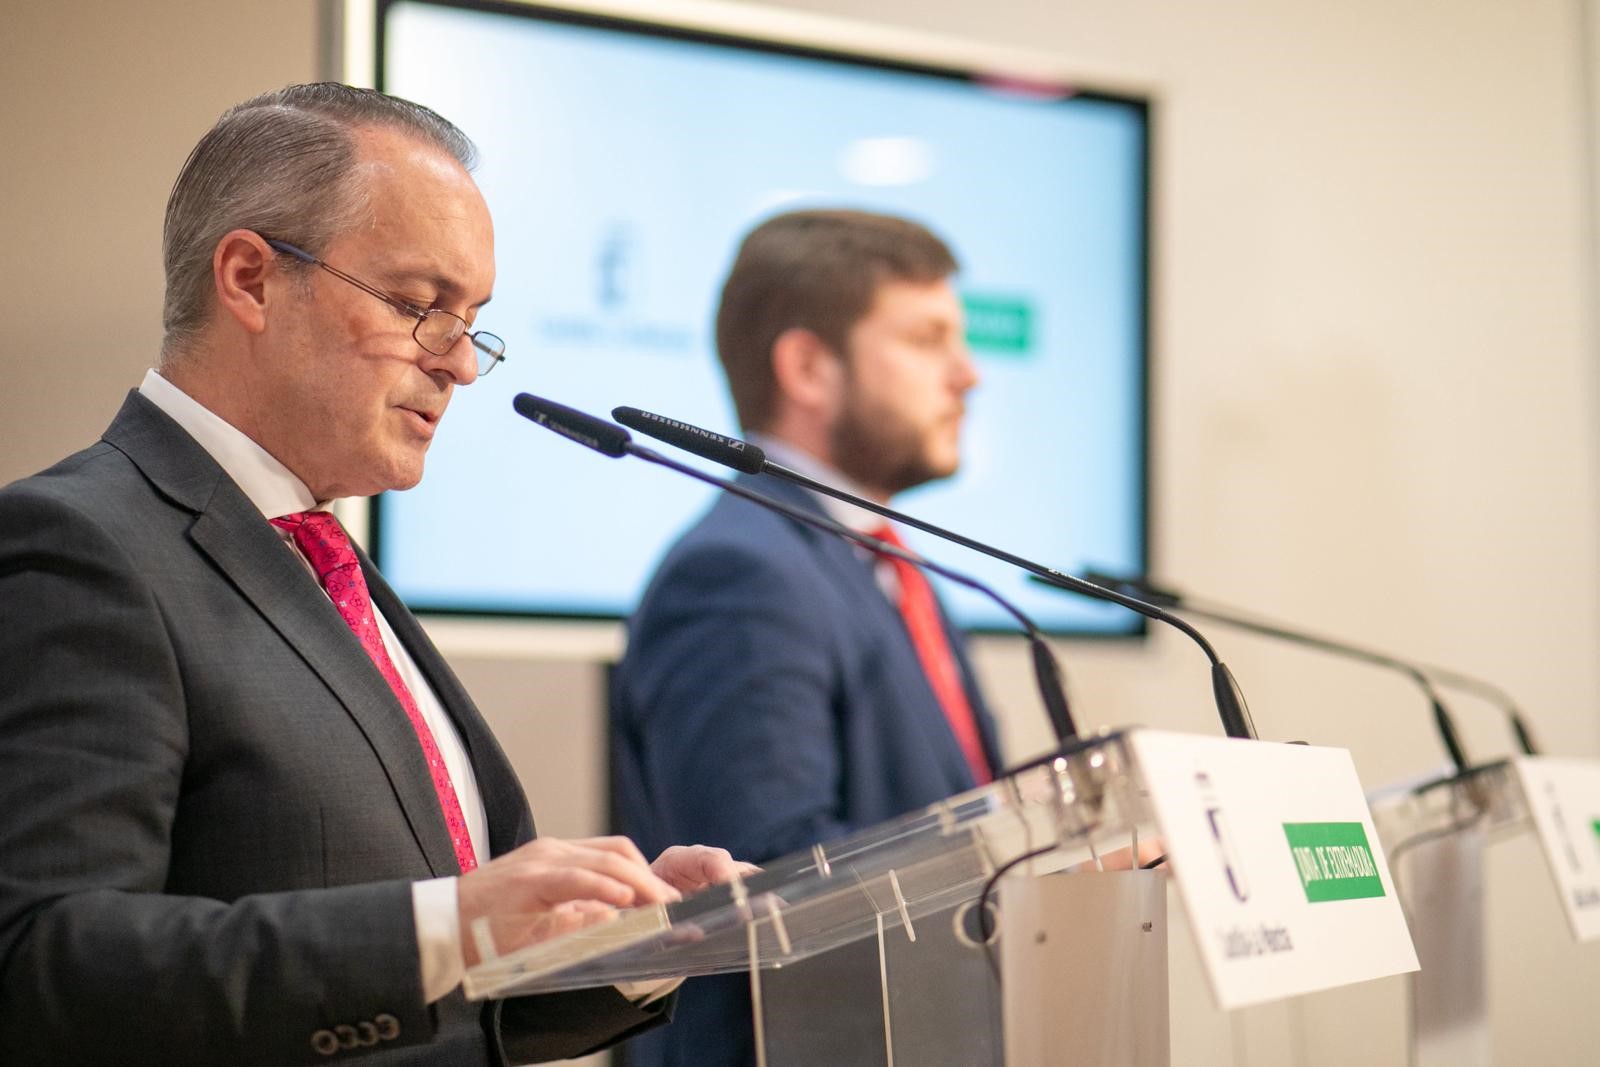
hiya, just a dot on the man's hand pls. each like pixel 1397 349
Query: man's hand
pixel 689 868
pixel 550 886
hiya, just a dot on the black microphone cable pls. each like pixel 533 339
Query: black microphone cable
pixel 614 441
pixel 750 459
pixel 1426 677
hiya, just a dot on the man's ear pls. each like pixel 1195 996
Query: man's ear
pixel 808 372
pixel 240 266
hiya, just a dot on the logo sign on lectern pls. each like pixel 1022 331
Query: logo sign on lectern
pixel 1277 864
pixel 1564 797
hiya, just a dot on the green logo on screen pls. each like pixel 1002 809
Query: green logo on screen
pixel 998 325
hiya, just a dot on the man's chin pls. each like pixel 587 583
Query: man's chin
pixel 405 480
pixel 938 468
pixel 923 474
pixel 893 471
pixel 395 478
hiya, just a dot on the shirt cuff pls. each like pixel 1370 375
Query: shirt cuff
pixel 433 904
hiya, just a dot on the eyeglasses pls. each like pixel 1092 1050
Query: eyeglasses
pixel 437 330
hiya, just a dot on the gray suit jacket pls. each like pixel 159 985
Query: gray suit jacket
pixel 212 807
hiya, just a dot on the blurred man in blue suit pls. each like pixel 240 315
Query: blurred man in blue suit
pixel 783 687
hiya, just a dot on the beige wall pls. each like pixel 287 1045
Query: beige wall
pixel 103 100
pixel 1375 382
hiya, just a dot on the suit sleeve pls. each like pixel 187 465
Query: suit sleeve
pixel 97 962
pixel 732 689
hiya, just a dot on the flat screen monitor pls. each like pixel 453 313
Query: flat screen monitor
pixel 623 162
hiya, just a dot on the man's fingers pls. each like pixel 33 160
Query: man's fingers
pixel 538 887
pixel 645 882
pixel 697 866
pixel 584 907
pixel 550 886
pixel 622 846
pixel 616 857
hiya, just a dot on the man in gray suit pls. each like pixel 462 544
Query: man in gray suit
pixel 249 814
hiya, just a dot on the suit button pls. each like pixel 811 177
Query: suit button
pixel 324 1042
pixel 347 1036
pixel 368 1034
pixel 388 1027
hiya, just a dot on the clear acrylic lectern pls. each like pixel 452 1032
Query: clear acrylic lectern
pixel 978 931
pixel 1435 835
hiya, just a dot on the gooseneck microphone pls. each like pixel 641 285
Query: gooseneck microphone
pixel 1425 676
pixel 611 440
pixel 750 459
pixel 1493 694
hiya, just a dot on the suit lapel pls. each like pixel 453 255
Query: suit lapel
pixel 232 533
pixel 980 709
pixel 853 569
pixel 510 821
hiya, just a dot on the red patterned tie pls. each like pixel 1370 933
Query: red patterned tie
pixel 327 546
pixel 921 613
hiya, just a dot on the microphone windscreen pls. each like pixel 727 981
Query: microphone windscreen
pixel 575 425
pixel 742 456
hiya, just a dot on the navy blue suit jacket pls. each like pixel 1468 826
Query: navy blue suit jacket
pixel 770 699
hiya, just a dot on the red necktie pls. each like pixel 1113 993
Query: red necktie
pixel 327 546
pixel 921 613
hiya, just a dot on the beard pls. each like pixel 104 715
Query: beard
pixel 880 450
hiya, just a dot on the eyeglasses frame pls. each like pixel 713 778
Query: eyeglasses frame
pixel 497 356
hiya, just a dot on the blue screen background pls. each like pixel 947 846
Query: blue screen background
pixel 622 170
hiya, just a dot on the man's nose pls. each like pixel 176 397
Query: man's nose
pixel 460 361
pixel 965 370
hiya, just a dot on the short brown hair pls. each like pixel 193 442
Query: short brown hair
pixel 818 270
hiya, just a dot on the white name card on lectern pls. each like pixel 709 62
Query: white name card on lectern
pixel 1277 863
pixel 1564 797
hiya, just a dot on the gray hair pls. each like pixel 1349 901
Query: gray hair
pixel 282 164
